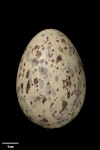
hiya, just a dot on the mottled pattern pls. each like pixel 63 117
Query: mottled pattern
pixel 50 81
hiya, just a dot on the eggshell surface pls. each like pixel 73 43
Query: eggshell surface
pixel 51 83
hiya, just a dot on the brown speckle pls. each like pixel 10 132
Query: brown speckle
pixel 53 60
pixel 24 64
pixel 19 75
pixel 48 124
pixel 23 70
pixel 44 100
pixel 35 81
pixel 31 102
pixel 37 47
pixel 65 47
pixel 62 40
pixel 59 58
pixel 51 104
pixel 21 85
pixel 49 43
pixel 45 120
pixel 68 94
pixel 48 83
pixel 43 48
pixel 64 105
pixel 69 77
pixel 38 53
pixel 27 73
pixel 57 40
pixel 57 89
pixel 35 69
pixel 39 115
pixel 47 38
pixel 28 86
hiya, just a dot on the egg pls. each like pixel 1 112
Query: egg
pixel 50 82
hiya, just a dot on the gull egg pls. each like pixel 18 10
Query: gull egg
pixel 50 82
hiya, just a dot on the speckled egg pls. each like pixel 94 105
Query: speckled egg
pixel 50 82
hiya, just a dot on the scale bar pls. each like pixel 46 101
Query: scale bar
pixel 10 143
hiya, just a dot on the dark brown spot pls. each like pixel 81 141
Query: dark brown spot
pixel 35 69
pixel 65 48
pixel 37 47
pixel 39 115
pixel 48 83
pixel 59 58
pixel 57 40
pixel 49 43
pixel 53 50
pixel 24 64
pixel 69 77
pixel 31 102
pixel 62 40
pixel 47 38
pixel 48 124
pixel 43 48
pixel 64 105
pixel 23 70
pixel 44 100
pixel 53 60
pixel 57 68
pixel 38 53
pixel 28 86
pixel 49 92
pixel 57 89
pixel 19 75
pixel 21 85
pixel 51 104
pixel 45 120
pixel 68 94
pixel 35 81
pixel 27 73
pixel 67 83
